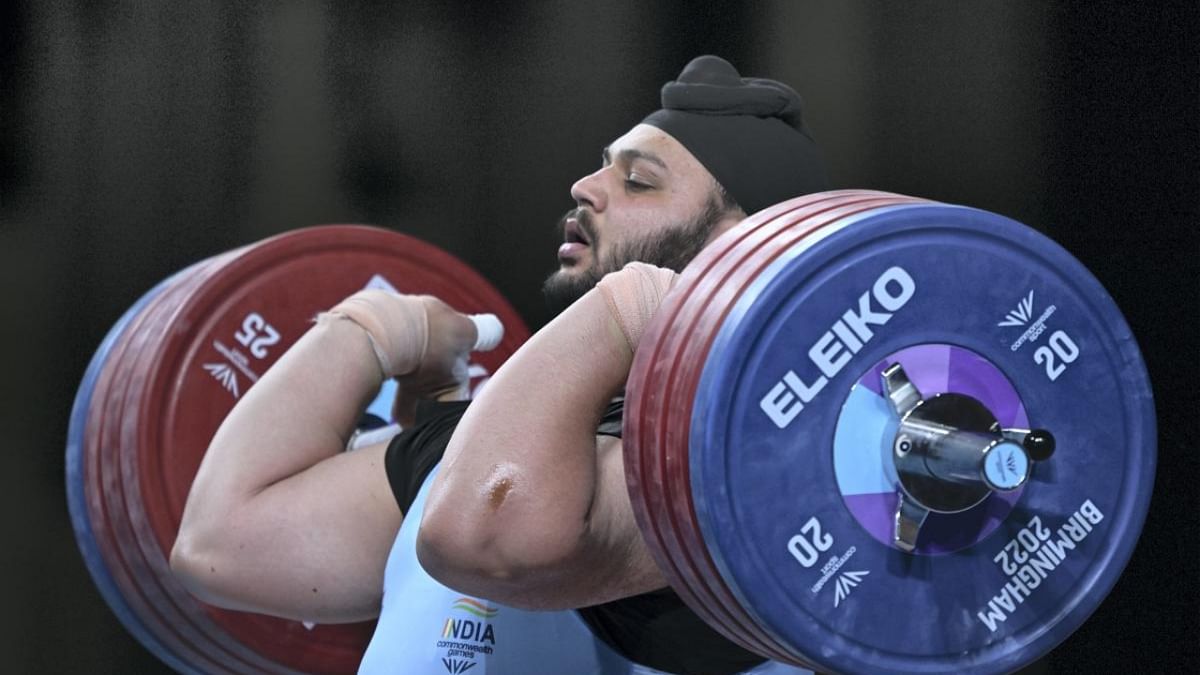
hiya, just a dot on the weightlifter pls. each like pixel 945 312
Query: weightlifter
pixel 517 502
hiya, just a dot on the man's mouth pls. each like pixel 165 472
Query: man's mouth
pixel 575 241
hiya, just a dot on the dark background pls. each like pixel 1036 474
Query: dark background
pixel 136 138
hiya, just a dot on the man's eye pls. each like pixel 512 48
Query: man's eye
pixel 634 184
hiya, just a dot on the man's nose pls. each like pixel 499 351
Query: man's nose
pixel 590 191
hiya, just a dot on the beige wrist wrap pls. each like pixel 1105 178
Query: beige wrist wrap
pixel 396 325
pixel 633 295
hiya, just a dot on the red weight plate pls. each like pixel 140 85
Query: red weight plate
pixel 111 527
pixel 718 612
pixel 102 416
pixel 645 411
pixel 642 414
pixel 747 237
pixel 690 358
pixel 672 462
pixel 149 563
pixel 148 569
pixel 238 323
pixel 675 428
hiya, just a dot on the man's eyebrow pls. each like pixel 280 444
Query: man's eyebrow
pixel 630 154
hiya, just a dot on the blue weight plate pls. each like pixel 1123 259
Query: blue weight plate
pixel 788 472
pixel 75 482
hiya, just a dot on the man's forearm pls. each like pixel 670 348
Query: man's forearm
pixel 280 520
pixel 301 411
pixel 276 502
pixel 539 413
pixel 522 489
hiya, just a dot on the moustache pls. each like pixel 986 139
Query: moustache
pixel 584 219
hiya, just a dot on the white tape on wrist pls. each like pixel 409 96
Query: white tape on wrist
pixel 489 330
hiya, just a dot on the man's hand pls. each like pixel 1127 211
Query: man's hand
pixel 442 372
pixel 419 341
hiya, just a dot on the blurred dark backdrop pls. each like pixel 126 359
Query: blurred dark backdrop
pixel 138 137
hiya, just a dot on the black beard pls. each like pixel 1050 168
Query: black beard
pixel 672 248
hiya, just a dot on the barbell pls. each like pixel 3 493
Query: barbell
pixel 864 433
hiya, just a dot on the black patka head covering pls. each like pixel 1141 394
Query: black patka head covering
pixel 748 132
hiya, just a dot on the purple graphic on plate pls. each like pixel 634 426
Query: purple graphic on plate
pixel 867 425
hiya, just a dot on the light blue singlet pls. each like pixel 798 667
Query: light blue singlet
pixel 427 629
